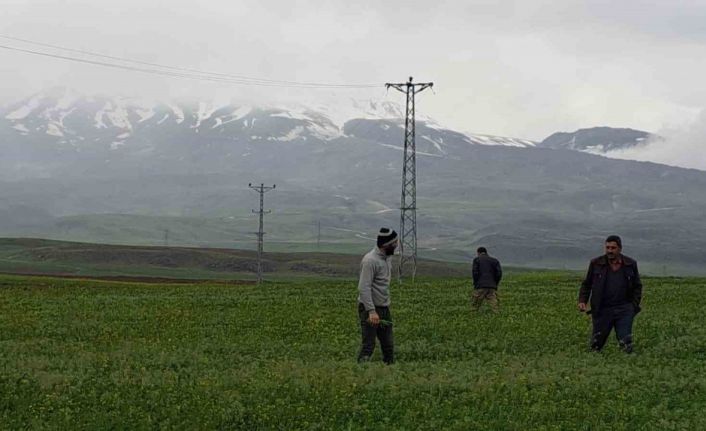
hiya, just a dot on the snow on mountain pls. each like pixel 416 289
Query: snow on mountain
pixel 23 110
pixel 113 122
pixel 598 140
pixel 499 140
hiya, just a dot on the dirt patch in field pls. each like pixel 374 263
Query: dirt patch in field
pixel 131 279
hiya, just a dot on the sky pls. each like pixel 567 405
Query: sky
pixel 523 69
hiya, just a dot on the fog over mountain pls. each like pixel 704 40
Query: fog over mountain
pixel 599 140
pixel 106 169
pixel 681 146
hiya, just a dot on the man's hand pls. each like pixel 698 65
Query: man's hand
pixel 373 318
pixel 582 307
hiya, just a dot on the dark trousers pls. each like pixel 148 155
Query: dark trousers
pixel 619 317
pixel 383 332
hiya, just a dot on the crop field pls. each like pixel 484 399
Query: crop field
pixel 82 354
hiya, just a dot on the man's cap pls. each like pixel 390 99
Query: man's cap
pixel 386 236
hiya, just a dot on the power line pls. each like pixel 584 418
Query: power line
pixel 173 71
pixel 161 72
pixel 184 69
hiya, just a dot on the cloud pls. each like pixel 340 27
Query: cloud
pixel 514 68
pixel 683 146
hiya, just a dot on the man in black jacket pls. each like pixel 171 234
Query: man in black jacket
pixel 613 286
pixel 487 274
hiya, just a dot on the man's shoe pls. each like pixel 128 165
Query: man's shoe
pixel 627 347
pixel 626 344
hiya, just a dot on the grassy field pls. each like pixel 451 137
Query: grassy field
pixel 33 256
pixel 81 354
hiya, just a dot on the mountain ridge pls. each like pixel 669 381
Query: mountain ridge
pixel 533 206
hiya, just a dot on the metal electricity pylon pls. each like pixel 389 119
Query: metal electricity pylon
pixel 408 205
pixel 262 189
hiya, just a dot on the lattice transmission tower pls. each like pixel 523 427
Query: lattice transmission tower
pixel 408 205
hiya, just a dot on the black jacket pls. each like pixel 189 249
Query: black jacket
pixel 594 283
pixel 487 272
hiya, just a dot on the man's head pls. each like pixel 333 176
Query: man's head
pixel 613 246
pixel 387 241
pixel 482 250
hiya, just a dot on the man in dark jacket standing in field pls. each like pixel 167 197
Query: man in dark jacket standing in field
pixel 613 286
pixel 374 298
pixel 487 274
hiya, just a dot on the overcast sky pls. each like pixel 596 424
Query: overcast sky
pixel 515 68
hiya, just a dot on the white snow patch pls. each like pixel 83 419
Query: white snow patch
pixel 286 114
pixel 436 142
pixel 237 114
pixel 63 115
pixel 21 128
pixel 144 113
pixel 23 111
pixel 595 149
pixel 123 135
pixel 178 112
pixel 115 114
pixel 163 119
pixel 319 123
pixel 240 112
pixel 53 129
pixel 119 118
pixel 117 144
pixel 499 140
pixel 98 118
pixel 204 112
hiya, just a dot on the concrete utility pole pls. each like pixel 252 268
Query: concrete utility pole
pixel 408 205
pixel 318 235
pixel 262 189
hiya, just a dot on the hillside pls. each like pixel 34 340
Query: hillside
pixel 178 178
pixel 598 140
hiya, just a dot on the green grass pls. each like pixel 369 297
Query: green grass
pixel 77 354
pixel 41 256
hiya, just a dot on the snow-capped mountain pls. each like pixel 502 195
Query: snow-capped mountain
pixel 67 120
pixel 64 156
pixel 598 140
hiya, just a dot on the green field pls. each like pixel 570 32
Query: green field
pixel 32 256
pixel 82 354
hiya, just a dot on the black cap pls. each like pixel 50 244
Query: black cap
pixel 386 236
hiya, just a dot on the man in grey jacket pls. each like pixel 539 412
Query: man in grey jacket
pixel 374 298
pixel 487 274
